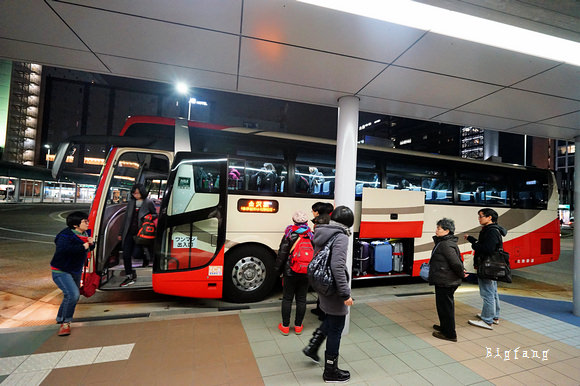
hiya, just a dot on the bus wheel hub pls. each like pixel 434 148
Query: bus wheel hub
pixel 249 273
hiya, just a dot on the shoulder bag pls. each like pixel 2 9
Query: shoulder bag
pixel 319 271
pixel 495 266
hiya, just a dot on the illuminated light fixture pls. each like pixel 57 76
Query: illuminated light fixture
pixel 182 88
pixel 129 164
pixel 94 161
pixel 458 25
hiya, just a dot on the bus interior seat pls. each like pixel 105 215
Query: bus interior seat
pixel 326 188
pixel 316 188
pixel 358 189
pixel 465 197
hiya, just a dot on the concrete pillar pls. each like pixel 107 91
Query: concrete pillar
pixel 576 251
pixel 490 144
pixel 344 188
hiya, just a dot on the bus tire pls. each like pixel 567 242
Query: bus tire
pixel 249 274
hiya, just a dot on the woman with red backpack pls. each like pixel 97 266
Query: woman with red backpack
pixel 294 254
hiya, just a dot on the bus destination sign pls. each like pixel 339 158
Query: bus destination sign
pixel 257 206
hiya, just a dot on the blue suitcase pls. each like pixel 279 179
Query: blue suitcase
pixel 362 258
pixel 383 256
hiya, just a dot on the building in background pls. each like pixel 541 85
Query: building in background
pixel 20 85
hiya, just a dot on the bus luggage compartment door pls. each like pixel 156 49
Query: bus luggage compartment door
pixel 388 213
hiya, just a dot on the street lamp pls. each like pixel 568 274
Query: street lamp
pixel 48 147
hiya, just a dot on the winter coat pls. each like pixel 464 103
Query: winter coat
pixel 70 254
pixel 445 266
pixel 291 234
pixel 490 238
pixel 334 304
pixel 147 207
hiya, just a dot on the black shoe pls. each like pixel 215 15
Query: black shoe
pixel 439 335
pixel 437 327
pixel 311 351
pixel 130 280
pixel 332 374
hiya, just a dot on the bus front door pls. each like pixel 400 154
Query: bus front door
pixel 189 251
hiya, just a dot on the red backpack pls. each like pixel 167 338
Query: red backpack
pixel 301 254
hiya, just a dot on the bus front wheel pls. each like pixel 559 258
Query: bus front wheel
pixel 249 275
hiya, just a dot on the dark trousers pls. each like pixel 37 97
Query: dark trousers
pixel 132 250
pixel 332 327
pixel 294 286
pixel 446 310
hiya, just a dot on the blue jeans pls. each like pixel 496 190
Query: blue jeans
pixel 488 292
pixel 69 283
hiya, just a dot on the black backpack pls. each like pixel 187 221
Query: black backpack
pixel 319 272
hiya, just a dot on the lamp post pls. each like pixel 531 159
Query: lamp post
pixel 48 147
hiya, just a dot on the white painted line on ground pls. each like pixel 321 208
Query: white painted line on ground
pixel 27 240
pixel 27 232
pixel 33 369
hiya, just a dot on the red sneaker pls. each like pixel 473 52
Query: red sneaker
pixel 284 330
pixel 298 329
pixel 64 329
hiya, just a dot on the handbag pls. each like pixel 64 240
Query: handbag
pixel 496 266
pixel 424 272
pixel 319 271
pixel 90 283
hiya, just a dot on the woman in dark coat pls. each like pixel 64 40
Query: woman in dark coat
pixel 336 305
pixel 445 273
pixel 138 207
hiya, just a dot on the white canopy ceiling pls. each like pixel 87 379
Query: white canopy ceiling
pixel 299 52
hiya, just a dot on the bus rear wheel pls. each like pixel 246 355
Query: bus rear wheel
pixel 249 275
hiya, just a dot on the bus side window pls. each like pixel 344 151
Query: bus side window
pixel 265 176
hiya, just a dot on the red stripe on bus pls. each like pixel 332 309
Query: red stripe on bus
pixel 168 122
pixel 525 250
pixel 370 229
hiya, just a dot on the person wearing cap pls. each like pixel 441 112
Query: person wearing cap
pixel 295 284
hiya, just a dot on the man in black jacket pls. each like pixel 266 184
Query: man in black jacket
pixel 490 238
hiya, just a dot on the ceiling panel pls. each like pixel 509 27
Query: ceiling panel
pixel 287 91
pixel 460 58
pixel 563 81
pixel 547 131
pixel 522 105
pixel 425 88
pixel 478 120
pixel 222 15
pixel 34 21
pixel 271 61
pixel 403 109
pixel 138 38
pixel 314 27
pixel 170 74
pixel 569 120
pixel 51 56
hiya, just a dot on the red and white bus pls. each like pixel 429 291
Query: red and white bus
pixel 226 194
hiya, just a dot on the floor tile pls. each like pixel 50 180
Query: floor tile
pixel 79 357
pixel 36 362
pixel 436 376
pixel 287 379
pixel 29 378
pixel 9 364
pixel 367 369
pixel 114 353
pixel 273 365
